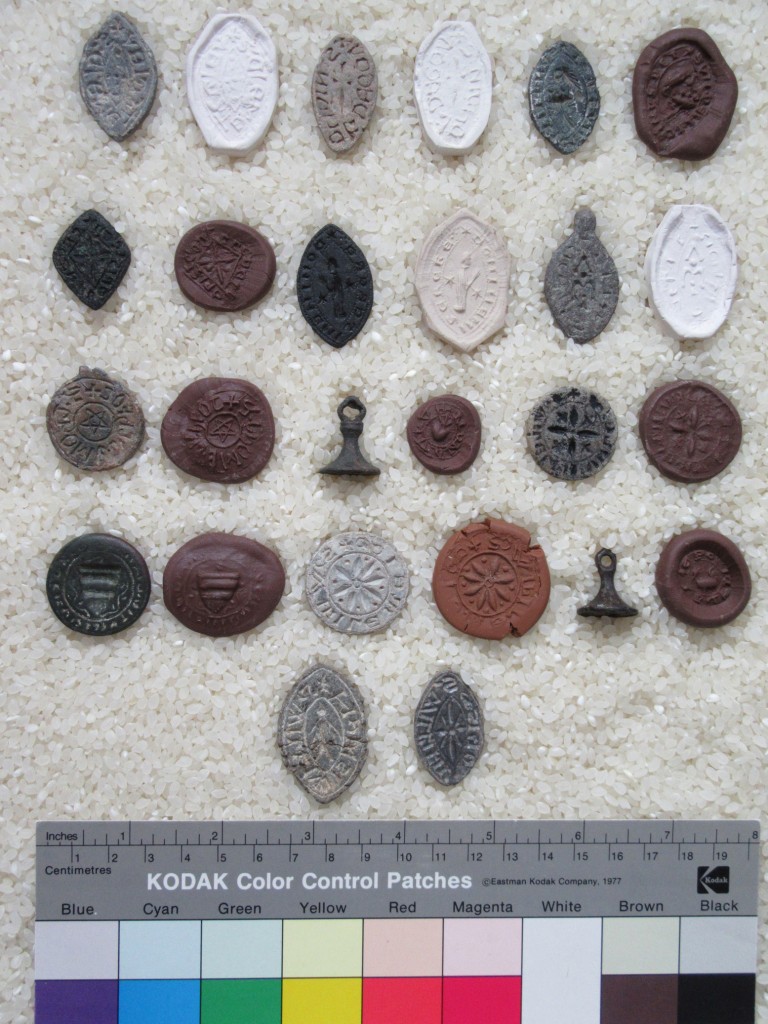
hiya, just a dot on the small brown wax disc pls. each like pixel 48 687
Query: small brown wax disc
pixel 220 584
pixel 444 434
pixel 224 266
pixel 683 95
pixel 219 429
pixel 490 581
pixel 690 430
pixel 702 578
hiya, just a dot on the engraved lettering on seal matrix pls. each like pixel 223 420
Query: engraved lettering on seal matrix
pixel 448 728
pixel 232 82
pixel 462 280
pixel 453 87
pixel 322 733
pixel 572 433
pixel 563 97
pixel 92 258
pixel 334 286
pixel 98 585
pixel 691 270
pixel 118 77
pixel 357 583
pixel 581 284
pixel 344 89
pixel 94 422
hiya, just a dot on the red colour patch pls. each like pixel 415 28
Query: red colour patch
pixel 404 1000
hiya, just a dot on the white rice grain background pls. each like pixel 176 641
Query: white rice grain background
pixel 642 718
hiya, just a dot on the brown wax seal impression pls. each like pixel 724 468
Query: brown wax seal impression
pixel 224 266
pixel 683 95
pixel 220 429
pixel 220 584
pixel 490 581
pixel 444 434
pixel 702 578
pixel 690 430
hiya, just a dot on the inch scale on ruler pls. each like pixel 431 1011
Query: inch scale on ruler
pixel 409 922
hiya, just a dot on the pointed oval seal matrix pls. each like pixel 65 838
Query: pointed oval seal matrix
pixel 344 89
pixel 606 603
pixel 322 733
pixel 563 97
pixel 118 77
pixel 350 461
pixel 581 284
pixel 448 729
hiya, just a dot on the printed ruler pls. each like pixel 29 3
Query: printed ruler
pixel 414 922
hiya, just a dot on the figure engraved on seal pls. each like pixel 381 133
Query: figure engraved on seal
pixel 322 733
pixel 563 97
pixel 462 280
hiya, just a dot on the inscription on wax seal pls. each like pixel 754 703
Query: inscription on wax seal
pixel 683 95
pixel 690 430
pixel 322 733
pixel 448 729
pixel 344 88
pixel 232 82
pixel 702 578
pixel 563 97
pixel 581 284
pixel 691 271
pixel 118 77
pixel 453 86
pixel 490 581
pixel 462 279
pixel 220 584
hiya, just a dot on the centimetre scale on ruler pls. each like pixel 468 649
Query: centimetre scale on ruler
pixel 362 922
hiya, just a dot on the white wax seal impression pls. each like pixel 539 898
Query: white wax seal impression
pixel 453 85
pixel 462 279
pixel 691 270
pixel 232 82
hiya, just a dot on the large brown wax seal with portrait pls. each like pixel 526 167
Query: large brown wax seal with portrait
pixel 491 581
pixel 683 95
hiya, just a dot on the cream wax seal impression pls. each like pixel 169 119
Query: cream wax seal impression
pixel 453 86
pixel 232 82
pixel 691 271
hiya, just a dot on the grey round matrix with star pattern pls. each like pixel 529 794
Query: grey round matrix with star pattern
pixel 357 583
pixel 572 433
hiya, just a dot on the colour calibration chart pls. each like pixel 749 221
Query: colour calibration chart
pixel 483 922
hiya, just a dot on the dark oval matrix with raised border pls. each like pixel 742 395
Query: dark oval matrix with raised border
pixel 118 77
pixel 563 97
pixel 448 729
pixel 581 284
pixel 98 584
pixel 92 258
pixel 335 286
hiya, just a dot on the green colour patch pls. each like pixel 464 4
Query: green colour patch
pixel 240 1001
